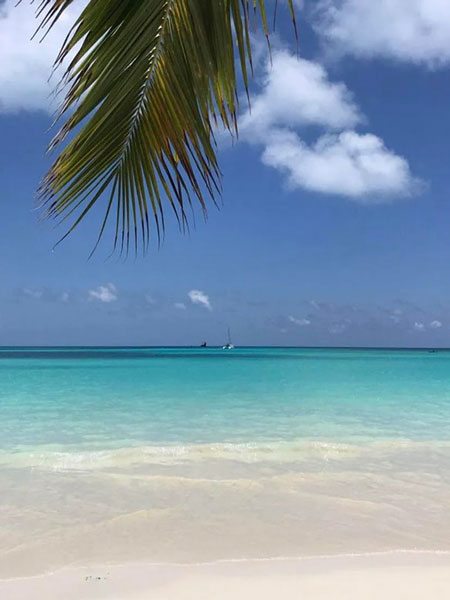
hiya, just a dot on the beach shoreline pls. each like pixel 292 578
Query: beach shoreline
pixel 397 575
pixel 125 464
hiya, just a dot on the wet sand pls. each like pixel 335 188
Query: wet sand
pixel 391 576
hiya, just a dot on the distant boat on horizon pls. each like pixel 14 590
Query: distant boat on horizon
pixel 203 345
pixel 228 345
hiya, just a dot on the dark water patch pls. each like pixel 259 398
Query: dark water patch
pixel 217 354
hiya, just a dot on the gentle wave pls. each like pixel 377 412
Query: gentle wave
pixel 278 452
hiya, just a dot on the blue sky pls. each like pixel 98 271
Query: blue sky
pixel 335 222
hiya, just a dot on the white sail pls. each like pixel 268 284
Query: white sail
pixel 228 345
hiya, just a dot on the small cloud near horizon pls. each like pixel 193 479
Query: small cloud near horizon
pixel 436 324
pixel 337 328
pixel 37 294
pixel 104 293
pixel 200 298
pixel 301 322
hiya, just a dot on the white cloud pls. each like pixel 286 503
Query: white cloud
pixel 26 64
pixel 297 93
pixel 65 297
pixel 416 31
pixel 37 294
pixel 435 324
pixel 301 322
pixel 418 326
pixel 149 299
pixel 104 293
pixel 349 164
pixel 180 305
pixel 199 297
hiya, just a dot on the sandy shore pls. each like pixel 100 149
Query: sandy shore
pixel 391 576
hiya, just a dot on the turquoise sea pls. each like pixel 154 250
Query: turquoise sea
pixel 97 398
pixel 249 452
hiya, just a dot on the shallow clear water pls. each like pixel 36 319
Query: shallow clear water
pixel 250 452
pixel 101 398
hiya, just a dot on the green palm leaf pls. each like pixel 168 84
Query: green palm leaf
pixel 147 81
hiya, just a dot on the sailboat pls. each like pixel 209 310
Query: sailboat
pixel 228 345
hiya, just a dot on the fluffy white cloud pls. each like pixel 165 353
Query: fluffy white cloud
pixel 199 297
pixel 435 324
pixel 26 64
pixel 418 326
pixel 416 31
pixel 180 305
pixel 353 165
pixel 104 293
pixel 300 322
pixel 297 93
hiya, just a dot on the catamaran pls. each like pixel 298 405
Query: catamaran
pixel 228 345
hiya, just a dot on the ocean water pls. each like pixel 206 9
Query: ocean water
pixel 185 455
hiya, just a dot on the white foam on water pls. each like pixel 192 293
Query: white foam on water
pixel 296 451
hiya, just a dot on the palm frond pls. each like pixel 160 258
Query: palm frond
pixel 147 82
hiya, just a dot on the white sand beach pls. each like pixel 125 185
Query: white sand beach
pixel 391 576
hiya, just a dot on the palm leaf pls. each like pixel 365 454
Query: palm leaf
pixel 147 82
